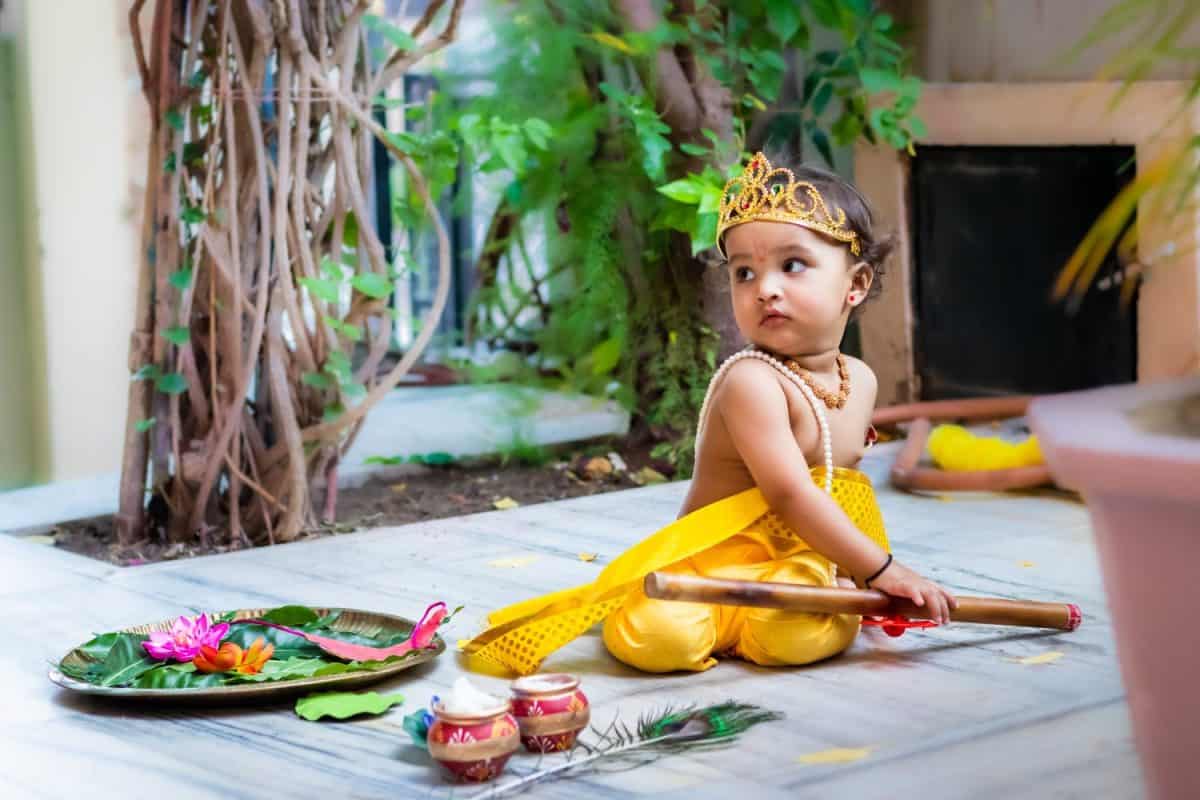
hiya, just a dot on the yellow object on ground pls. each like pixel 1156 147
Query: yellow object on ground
pixel 736 537
pixel 953 447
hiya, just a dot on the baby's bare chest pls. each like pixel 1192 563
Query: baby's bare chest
pixel 847 428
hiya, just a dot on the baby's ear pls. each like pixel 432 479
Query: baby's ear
pixel 862 276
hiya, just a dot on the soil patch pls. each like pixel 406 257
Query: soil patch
pixel 418 494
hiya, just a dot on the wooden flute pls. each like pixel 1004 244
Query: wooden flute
pixel 867 602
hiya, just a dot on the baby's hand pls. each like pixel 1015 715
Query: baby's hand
pixel 900 581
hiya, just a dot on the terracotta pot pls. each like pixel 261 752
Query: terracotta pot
pixel 550 710
pixel 1128 451
pixel 473 748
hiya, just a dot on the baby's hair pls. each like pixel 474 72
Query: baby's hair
pixel 840 193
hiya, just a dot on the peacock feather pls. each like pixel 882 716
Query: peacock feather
pixel 673 730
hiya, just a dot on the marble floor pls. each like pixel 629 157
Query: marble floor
pixel 962 711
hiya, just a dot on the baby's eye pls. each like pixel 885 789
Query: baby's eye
pixel 794 265
pixel 743 274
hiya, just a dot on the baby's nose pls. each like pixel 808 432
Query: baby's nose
pixel 767 289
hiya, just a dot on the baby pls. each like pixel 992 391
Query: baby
pixel 774 496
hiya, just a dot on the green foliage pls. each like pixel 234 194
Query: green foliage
pixel 193 214
pixel 181 279
pixel 324 288
pixel 525 453
pixel 398 37
pixel 372 285
pixel 171 383
pixel 337 367
pixel 598 175
pixel 435 459
pixel 1151 34
pixel 178 335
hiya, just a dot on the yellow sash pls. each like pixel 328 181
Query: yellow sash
pixel 522 635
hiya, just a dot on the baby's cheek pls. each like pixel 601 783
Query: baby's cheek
pixel 811 306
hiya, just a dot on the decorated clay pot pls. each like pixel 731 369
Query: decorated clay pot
pixel 550 710
pixel 475 747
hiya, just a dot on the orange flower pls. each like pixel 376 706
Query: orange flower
pixel 231 658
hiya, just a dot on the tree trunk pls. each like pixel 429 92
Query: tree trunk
pixel 251 296
pixel 691 100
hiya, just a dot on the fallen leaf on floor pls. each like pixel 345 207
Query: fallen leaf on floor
pixel 648 475
pixel 589 557
pixel 505 503
pixel 39 539
pixel 513 563
pixel 945 498
pixel 837 755
pixel 343 705
pixel 399 487
pixel 1044 658
pixel 597 468
pixel 1027 564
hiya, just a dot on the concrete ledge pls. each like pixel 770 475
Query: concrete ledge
pixel 460 420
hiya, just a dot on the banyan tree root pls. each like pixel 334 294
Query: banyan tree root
pixel 262 323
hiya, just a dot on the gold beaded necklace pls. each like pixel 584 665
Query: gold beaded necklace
pixel 830 399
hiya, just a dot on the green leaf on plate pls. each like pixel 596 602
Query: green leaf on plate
pixel 292 616
pixel 343 705
pixel 125 662
pixel 277 670
pixel 178 676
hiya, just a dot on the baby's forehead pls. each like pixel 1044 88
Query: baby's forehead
pixel 762 238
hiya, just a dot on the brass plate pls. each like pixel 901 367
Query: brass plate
pixel 365 623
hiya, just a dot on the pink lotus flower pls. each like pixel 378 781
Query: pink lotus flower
pixel 184 640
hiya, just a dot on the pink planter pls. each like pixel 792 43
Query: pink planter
pixel 1143 492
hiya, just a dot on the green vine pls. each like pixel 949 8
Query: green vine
pixel 624 200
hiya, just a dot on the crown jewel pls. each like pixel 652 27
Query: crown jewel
pixel 773 194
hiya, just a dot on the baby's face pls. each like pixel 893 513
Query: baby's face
pixel 790 286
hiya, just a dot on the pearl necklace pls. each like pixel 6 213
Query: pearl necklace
pixel 817 407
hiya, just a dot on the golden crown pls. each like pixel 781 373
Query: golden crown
pixel 773 194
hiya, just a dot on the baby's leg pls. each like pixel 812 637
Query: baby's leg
pixel 662 635
pixel 775 638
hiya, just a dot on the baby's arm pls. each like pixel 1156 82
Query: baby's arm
pixel 754 409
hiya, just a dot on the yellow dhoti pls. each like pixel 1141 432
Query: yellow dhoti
pixel 737 537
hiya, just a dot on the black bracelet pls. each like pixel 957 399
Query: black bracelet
pixel 878 572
